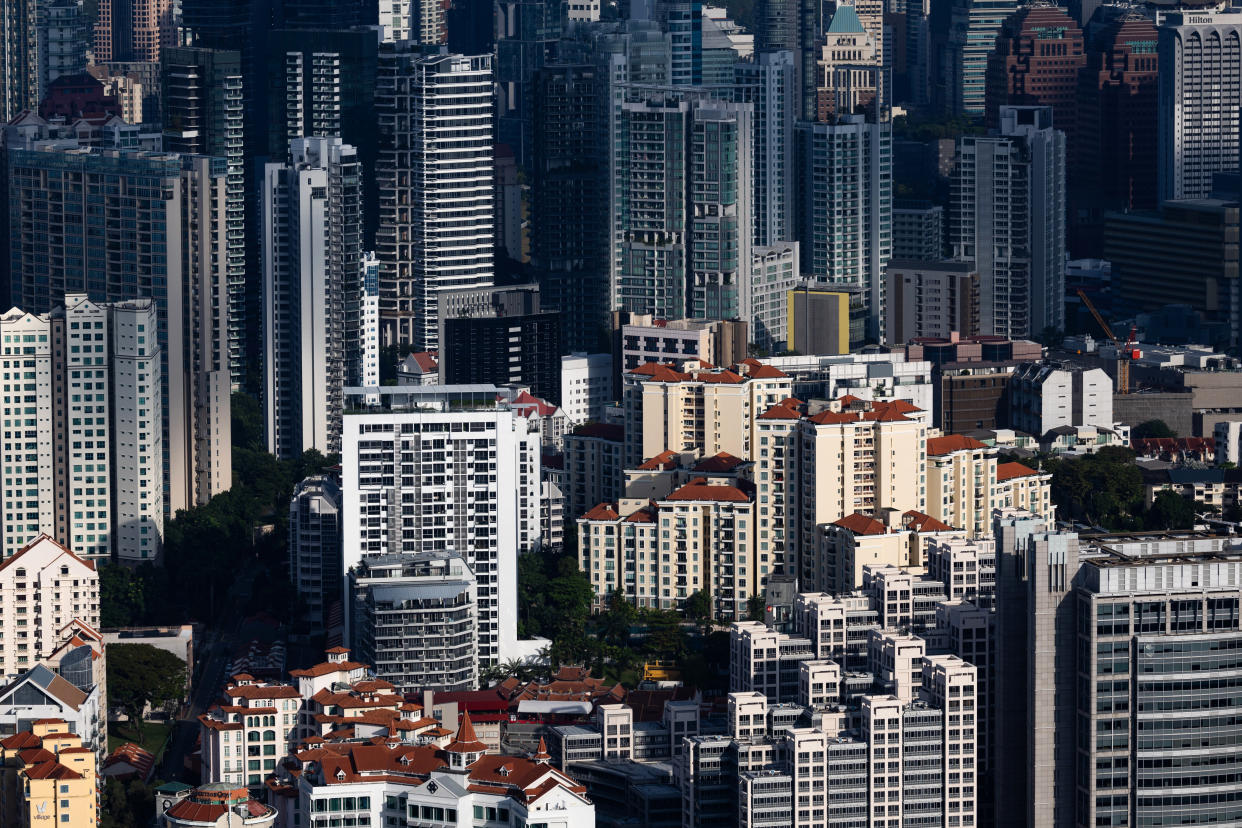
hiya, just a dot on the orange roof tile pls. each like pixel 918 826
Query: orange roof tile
pixel 920 522
pixel 951 443
pixel 698 489
pixel 861 524
pixel 780 411
pixel 1008 471
pixel 663 461
pixel 603 511
pixel 721 462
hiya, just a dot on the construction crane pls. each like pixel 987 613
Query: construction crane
pixel 1126 352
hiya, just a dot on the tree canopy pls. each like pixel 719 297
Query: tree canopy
pixel 140 675
pixel 1152 429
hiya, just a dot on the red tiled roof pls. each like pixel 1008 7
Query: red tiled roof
pixel 603 511
pixel 189 811
pixel 721 462
pixel 466 741
pixel 921 522
pixel 527 400
pixel 861 524
pixel 761 370
pixel 326 667
pixel 698 489
pixel 44 537
pixel 1008 471
pixel 780 412
pixel 138 758
pixel 951 443
pixel 659 372
pixel 723 376
pixel 663 461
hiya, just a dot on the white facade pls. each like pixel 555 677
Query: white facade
pixel 871 376
pixel 586 386
pixel 1009 219
pixel 312 228
pixel 465 480
pixel 436 173
pixel 775 271
pixel 1044 397
pixel 43 588
pixel 369 322
pixel 1228 436
pixel 83 448
pixel 1200 59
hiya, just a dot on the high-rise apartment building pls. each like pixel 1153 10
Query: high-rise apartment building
pixel 500 336
pixel 419 22
pixel 446 468
pixel 62 41
pixel 203 115
pixel 845 195
pixel 1200 91
pixel 1035 62
pixel 312 266
pixel 19 57
pixel 326 89
pixel 527 31
pixel 84 452
pixel 918 231
pixel 1008 217
pixel 315 545
pixel 767 81
pixel 134 30
pixel 127 225
pixel 972 29
pixel 849 70
pixel 436 173
pixel 680 178
pixel 433 593
pixel 46 585
pixel 931 299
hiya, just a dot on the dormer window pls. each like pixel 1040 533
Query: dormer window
pixel 503 770
pixel 340 775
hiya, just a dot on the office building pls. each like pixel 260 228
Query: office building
pixel 483 506
pixel 312 267
pixel 1113 155
pixel 569 202
pixel 972 29
pixel 169 211
pixel 48 773
pixel 680 177
pixel 1200 90
pixel 1045 396
pixel 527 33
pixel 846 197
pixel 918 231
pixel 134 31
pixel 203 114
pixel 1186 253
pixel 90 460
pixel 315 548
pixel 970 376
pixel 1036 62
pixel 586 386
pixel 431 592
pixel 931 299
pixel 1009 219
pixel 325 82
pixel 500 336
pixel 436 174
pixel 44 574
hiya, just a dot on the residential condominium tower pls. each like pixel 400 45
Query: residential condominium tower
pixel 1009 219
pixel 446 468
pixel 203 112
pixel 436 172
pixel 312 263
pixel 127 225
pixel 83 449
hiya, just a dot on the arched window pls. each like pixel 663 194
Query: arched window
pixel 252 736
pixel 269 735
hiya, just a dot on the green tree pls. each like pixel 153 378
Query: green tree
pixel 1169 510
pixel 699 606
pixel 122 601
pixel 140 675
pixel 1151 429
pixel 615 621
pixel 755 608
pixel 1103 489
pixel 666 640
